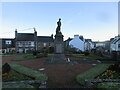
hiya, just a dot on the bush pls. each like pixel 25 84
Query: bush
pixel 35 53
pixel 29 51
pixel 51 50
pixel 86 53
pixel 40 55
pixel 13 52
pixel 114 55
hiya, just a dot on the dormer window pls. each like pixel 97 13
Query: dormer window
pixel 8 42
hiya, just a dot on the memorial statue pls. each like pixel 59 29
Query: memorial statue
pixel 58 27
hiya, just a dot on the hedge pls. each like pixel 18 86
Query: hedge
pixel 29 72
pixel 91 73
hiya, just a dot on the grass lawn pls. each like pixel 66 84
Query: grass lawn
pixel 29 72
pixel 91 73
pixel 50 54
pixel 24 57
pixel 7 54
pixel 91 56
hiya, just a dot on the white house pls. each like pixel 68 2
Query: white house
pixel 88 44
pixel 77 42
pixel 115 44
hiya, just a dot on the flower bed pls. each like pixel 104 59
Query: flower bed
pixel 21 73
pixel 113 72
pixel 14 76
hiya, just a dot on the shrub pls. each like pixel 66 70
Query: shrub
pixel 13 52
pixel 114 55
pixel 40 55
pixel 29 51
pixel 35 53
pixel 51 50
pixel 86 53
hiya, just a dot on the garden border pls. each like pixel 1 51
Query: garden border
pixel 39 77
pixel 89 73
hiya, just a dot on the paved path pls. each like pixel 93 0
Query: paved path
pixel 59 75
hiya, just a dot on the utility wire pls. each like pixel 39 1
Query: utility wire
pixel 19 30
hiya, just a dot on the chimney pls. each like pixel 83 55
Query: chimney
pixel 52 35
pixel 15 33
pixel 35 38
pixel 76 36
pixel 35 32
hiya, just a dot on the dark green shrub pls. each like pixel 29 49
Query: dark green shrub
pixel 35 53
pixel 29 51
pixel 45 55
pixel 86 53
pixel 51 49
pixel 40 55
pixel 114 55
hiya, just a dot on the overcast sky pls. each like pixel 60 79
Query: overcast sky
pixel 93 20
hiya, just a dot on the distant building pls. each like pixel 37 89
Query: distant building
pixel 89 45
pixel 7 45
pixel 103 46
pixel 115 44
pixel 77 42
pixel 26 42
pixel 66 42
pixel 45 43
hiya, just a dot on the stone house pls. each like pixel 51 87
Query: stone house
pixel 27 42
pixel 45 43
pixel 7 45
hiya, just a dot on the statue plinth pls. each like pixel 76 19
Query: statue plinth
pixel 59 44
pixel 59 57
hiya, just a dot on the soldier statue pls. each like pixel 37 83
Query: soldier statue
pixel 58 27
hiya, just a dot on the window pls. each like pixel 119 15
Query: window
pixel 44 44
pixel 29 43
pixel 49 45
pixel 118 45
pixel 32 44
pixel 8 42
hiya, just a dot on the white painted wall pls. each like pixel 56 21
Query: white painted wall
pixel 77 43
pixel 114 46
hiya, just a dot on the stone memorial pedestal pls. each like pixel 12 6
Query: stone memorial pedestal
pixel 59 57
